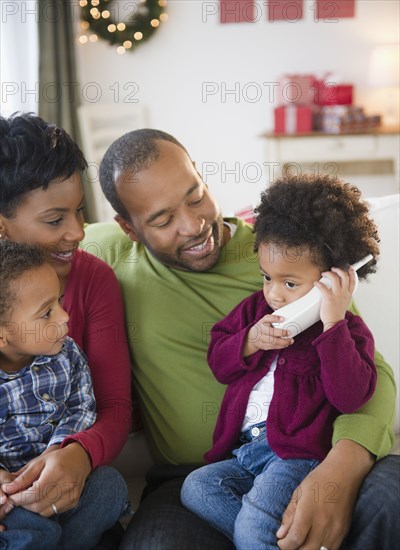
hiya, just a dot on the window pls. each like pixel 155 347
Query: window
pixel 19 61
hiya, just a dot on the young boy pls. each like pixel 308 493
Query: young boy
pixel 46 394
pixel 284 392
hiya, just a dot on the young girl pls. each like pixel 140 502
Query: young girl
pixel 284 393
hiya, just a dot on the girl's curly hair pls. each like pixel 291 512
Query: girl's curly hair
pixel 321 213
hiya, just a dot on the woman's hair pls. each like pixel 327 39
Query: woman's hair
pixel 33 154
pixel 321 213
pixel 132 152
pixel 15 260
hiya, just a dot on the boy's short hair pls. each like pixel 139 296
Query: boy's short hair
pixel 33 154
pixel 321 213
pixel 15 260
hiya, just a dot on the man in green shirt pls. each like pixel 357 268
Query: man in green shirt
pixel 181 268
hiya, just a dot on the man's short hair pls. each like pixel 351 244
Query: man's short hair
pixel 132 152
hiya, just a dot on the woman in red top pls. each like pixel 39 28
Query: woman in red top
pixel 42 203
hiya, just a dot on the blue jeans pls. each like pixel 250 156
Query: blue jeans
pixel 162 523
pixel 103 501
pixel 245 497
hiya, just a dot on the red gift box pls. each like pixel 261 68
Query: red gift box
pixel 293 119
pixel 329 93
pixel 296 88
pixel 246 214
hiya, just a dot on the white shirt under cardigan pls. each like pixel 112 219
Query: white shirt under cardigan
pixel 260 399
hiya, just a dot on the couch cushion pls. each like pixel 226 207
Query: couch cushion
pixel 378 298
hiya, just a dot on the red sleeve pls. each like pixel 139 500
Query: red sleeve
pixel 228 338
pixel 94 302
pixel 348 371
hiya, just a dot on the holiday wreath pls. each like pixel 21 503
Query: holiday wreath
pixel 114 20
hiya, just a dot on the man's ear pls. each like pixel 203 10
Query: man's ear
pixel 127 228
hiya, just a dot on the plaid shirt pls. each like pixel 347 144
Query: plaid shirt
pixel 43 403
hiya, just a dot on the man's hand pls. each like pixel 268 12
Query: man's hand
pixel 56 477
pixel 322 506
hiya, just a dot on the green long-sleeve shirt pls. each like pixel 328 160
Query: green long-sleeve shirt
pixel 169 314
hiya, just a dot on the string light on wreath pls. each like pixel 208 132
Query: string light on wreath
pixel 107 19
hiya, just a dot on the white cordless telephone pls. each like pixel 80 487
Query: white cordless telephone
pixel 304 312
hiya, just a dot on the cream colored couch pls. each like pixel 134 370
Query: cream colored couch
pixel 378 301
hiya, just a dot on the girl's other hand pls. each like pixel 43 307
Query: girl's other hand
pixel 264 336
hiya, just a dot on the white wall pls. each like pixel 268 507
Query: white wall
pixel 193 48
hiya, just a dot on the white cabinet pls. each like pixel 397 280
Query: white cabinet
pixel 370 160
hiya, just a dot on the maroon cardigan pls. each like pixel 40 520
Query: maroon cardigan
pixel 321 375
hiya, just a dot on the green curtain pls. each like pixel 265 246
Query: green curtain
pixel 59 85
pixel 59 90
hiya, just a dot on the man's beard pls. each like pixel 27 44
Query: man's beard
pixel 178 260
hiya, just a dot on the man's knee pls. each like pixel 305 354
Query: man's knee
pixel 375 519
pixel 381 486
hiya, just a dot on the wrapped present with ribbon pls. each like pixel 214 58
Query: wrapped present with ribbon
pixel 296 88
pixel 330 93
pixel 246 214
pixel 294 119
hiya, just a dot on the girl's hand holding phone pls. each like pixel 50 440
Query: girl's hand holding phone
pixel 264 336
